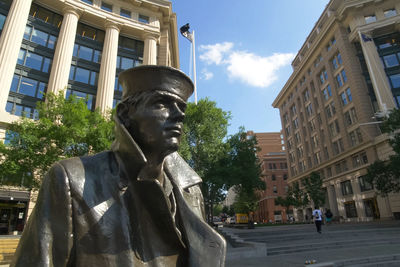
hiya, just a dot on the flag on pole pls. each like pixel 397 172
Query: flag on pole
pixel 185 32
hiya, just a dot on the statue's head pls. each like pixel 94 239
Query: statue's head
pixel 153 106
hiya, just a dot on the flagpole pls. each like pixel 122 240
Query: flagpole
pixel 194 69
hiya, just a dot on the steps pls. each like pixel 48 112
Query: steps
pixel 8 245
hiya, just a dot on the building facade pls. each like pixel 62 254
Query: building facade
pixel 80 47
pixel 346 72
pixel 274 168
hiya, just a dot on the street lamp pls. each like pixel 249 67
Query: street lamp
pixel 190 36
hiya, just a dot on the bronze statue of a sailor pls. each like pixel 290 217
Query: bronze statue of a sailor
pixel 138 204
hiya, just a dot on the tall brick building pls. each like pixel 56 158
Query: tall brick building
pixel 274 173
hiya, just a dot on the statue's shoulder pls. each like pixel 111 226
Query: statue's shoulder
pixel 88 168
pixel 180 171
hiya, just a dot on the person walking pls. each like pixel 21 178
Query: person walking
pixel 328 215
pixel 317 214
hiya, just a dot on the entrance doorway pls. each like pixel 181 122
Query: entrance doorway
pixel 371 208
pixel 12 216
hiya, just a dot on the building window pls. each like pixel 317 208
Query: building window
pixel 323 76
pixel 351 211
pixel 91 33
pixel 326 153
pixel 390 13
pixel 2 21
pixel 296 123
pixel 106 7
pixel 33 60
pixel 337 61
pixel 83 75
pixel 337 147
pixel 26 86
pixel 144 19
pixel 306 95
pixel 90 2
pixel 370 19
pixel 273 177
pixel 329 172
pixel 309 110
pixel 125 13
pixel 21 110
pixel 364 184
pixel 330 109
pixel 87 53
pixel 395 80
pixel 285 177
pixel 331 43
pixel 390 60
pixel 275 189
pixel 293 110
pixel 346 97
pixel 346 188
pixel 45 15
pixel 39 37
pixel 327 92
pixel 87 97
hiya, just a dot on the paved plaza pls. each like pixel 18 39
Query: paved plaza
pixel 362 244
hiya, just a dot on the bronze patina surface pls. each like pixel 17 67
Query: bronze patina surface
pixel 138 204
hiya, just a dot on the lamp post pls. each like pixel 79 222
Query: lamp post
pixel 190 36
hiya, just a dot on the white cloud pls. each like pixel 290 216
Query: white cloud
pixel 255 70
pixel 206 75
pixel 247 67
pixel 215 53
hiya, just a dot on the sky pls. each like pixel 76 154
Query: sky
pixel 244 51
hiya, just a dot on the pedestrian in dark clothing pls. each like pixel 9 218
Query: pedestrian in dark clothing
pixel 328 215
pixel 317 214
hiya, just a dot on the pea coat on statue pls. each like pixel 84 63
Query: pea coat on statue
pixel 91 212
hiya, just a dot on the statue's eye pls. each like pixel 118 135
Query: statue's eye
pixel 159 105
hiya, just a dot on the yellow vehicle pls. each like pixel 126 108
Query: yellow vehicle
pixel 242 218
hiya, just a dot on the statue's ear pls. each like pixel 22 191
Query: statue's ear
pixel 122 112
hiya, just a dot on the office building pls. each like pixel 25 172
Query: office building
pixel 346 73
pixel 79 46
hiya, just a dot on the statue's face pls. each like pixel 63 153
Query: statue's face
pixel 156 123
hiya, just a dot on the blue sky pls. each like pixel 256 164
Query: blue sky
pixel 244 51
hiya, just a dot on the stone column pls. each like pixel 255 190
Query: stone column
pixel 163 57
pixel 105 89
pixel 340 200
pixel 333 206
pixel 358 200
pixel 62 60
pixel 377 73
pixel 10 43
pixel 150 49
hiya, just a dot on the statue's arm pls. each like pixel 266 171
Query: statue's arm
pixel 47 238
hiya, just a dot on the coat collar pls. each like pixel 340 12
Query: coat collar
pixel 132 159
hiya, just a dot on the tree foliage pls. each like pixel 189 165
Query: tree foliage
pixel 295 197
pixel 221 162
pixel 65 128
pixel 385 175
pixel 313 187
pixel 203 147
pixel 245 170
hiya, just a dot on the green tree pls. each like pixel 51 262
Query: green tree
pixel 204 148
pixel 313 187
pixel 64 128
pixel 385 175
pixel 294 197
pixel 245 171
